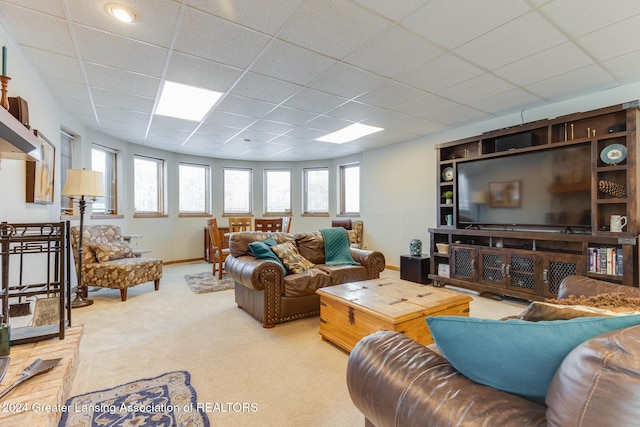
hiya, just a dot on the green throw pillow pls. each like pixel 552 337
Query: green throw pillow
pixel 262 250
pixel 514 355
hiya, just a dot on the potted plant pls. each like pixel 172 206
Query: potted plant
pixel 448 197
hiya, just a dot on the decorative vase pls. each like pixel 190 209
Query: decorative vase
pixel 448 201
pixel 415 247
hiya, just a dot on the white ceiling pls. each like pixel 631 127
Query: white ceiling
pixel 293 70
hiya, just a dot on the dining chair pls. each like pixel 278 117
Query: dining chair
pixel 217 251
pixel 239 224
pixel 286 224
pixel 268 225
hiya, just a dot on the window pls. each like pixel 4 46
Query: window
pixel 148 188
pixel 350 189
pixel 193 188
pixel 66 145
pixel 103 160
pixel 277 191
pixel 316 191
pixel 237 191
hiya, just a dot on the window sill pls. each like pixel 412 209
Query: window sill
pixel 150 215
pixel 195 215
pixel 349 215
pixel 316 214
pixel 106 216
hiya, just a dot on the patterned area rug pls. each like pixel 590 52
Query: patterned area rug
pixel 201 283
pixel 167 400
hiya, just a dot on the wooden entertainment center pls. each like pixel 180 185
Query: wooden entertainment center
pixel 529 261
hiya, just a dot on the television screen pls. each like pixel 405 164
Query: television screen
pixel 548 188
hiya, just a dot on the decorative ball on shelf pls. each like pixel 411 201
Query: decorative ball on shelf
pixel 415 247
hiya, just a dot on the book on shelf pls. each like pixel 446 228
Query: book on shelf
pixel 606 260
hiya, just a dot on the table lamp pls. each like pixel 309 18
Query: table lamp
pixel 479 198
pixel 81 184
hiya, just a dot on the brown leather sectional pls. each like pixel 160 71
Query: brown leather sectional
pixel 394 381
pixel 263 290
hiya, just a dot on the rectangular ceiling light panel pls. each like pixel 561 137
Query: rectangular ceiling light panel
pixel 186 102
pixel 349 133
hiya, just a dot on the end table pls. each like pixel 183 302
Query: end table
pixel 415 268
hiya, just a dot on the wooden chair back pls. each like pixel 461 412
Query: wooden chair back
pixel 217 252
pixel 286 224
pixel 268 225
pixel 239 224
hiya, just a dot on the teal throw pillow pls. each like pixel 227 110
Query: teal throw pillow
pixel 514 355
pixel 262 250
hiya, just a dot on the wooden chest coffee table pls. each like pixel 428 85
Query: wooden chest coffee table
pixel 351 311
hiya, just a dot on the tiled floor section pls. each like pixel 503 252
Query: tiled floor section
pixel 38 401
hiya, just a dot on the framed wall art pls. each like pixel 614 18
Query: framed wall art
pixel 504 194
pixel 41 174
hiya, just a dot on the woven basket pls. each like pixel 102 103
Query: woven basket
pixel 443 248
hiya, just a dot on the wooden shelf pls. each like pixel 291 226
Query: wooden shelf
pixel 16 141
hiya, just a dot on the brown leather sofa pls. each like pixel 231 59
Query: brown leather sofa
pixel 394 381
pixel 264 291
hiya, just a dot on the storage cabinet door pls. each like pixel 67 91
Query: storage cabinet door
pixel 493 268
pixel 521 272
pixel 463 263
pixel 555 267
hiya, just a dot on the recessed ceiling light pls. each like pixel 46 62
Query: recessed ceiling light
pixel 121 12
pixel 186 102
pixel 350 133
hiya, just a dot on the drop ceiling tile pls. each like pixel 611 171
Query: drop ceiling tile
pixel 393 10
pixel 599 43
pixel 346 80
pixel 99 76
pixel 425 105
pixel 150 12
pixel 390 95
pixel 440 73
pixel 260 15
pixel 125 116
pixel 305 133
pixel 65 89
pixel 217 132
pixel 114 51
pixel 172 124
pixel 577 19
pixel 497 48
pixel 218 40
pixel 228 119
pixel 54 65
pixel 77 108
pixel 255 136
pixel 57 38
pixel 289 115
pixel 475 88
pixel 461 115
pixel 507 102
pixel 402 122
pixel 264 88
pixel 270 127
pixel 393 52
pixel 572 83
pixel 330 124
pixel 126 132
pixel 332 27
pixel 314 101
pixel 244 106
pixel 52 8
pixel 625 68
pixel 565 57
pixel 452 23
pixel 187 69
pixel 109 98
pixel 285 61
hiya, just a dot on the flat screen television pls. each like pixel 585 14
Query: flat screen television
pixel 548 188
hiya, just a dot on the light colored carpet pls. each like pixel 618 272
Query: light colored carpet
pixel 202 283
pixel 284 376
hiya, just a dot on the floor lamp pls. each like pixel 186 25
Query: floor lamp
pixel 81 184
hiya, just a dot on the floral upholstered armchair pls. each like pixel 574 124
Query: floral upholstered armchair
pixel 108 261
pixel 355 230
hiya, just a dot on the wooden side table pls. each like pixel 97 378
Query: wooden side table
pixel 415 268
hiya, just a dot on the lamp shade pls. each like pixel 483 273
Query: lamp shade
pixel 83 182
pixel 479 197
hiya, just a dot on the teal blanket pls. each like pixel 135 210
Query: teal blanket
pixel 336 247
